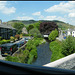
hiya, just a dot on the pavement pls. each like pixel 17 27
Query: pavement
pixel 1 58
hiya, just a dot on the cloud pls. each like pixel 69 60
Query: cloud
pixel 71 15
pixel 6 10
pixel 24 18
pixel 52 18
pixel 36 13
pixel 62 7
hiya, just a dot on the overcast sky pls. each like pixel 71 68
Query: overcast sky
pixel 38 10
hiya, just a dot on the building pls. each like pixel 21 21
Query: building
pixel 6 31
pixel 24 30
pixel 69 32
pixel 73 33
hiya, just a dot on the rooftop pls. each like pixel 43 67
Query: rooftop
pixel 6 26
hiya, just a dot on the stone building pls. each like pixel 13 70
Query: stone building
pixel 24 30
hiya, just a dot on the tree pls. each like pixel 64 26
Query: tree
pixel 30 27
pixel 53 35
pixel 47 27
pixel 35 32
pixel 18 27
pixel 68 46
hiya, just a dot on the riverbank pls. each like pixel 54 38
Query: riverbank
pixel 55 47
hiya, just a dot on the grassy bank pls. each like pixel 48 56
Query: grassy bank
pixel 56 49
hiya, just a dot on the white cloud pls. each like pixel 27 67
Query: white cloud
pixel 62 7
pixel 53 18
pixel 71 14
pixel 24 18
pixel 36 13
pixel 6 10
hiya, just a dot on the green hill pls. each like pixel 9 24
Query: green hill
pixel 60 24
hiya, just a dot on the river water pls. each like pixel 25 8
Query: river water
pixel 44 54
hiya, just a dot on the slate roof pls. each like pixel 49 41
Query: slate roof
pixel 6 26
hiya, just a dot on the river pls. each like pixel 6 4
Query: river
pixel 44 54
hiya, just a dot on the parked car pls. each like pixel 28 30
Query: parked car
pixel 8 49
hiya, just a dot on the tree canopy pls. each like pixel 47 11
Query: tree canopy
pixel 47 27
pixel 18 27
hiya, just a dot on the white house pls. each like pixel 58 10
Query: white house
pixel 73 33
pixel 69 32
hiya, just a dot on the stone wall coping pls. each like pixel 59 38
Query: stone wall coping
pixel 60 61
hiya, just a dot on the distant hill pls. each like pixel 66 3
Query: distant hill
pixel 60 24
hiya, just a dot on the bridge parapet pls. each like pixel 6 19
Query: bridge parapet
pixel 67 62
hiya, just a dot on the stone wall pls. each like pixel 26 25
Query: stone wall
pixel 67 62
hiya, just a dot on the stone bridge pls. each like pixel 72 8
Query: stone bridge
pixel 67 62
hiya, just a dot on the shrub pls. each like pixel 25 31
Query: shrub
pixel 4 41
pixel 68 45
pixel 17 36
pixel 53 35
pixel 12 38
pixel 32 56
pixel 0 38
pixel 56 48
pixel 25 34
pixel 13 59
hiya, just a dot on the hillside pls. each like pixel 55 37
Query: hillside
pixel 60 24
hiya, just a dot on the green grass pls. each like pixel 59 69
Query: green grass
pixel 56 49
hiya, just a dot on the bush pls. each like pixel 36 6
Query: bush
pixel 13 59
pixel 0 38
pixel 17 36
pixel 4 41
pixel 53 35
pixel 25 34
pixel 32 56
pixel 68 45
pixel 12 38
pixel 56 48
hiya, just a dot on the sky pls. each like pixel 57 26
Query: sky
pixel 38 10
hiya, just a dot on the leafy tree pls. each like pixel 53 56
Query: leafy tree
pixel 30 27
pixel 37 25
pixel 68 46
pixel 53 35
pixel 18 27
pixel 47 27
pixel 35 32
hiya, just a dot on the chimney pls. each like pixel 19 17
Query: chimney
pixel 0 21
